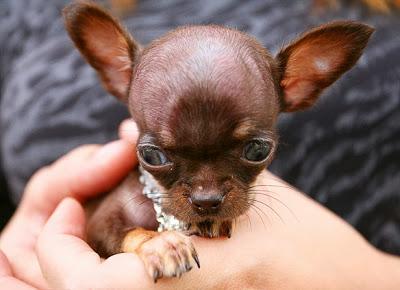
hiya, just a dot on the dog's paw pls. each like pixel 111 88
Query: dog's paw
pixel 168 254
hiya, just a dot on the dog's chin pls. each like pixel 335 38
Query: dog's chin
pixel 190 216
pixel 210 225
pixel 212 228
pixel 194 217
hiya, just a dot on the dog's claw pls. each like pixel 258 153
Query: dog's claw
pixel 155 275
pixel 196 258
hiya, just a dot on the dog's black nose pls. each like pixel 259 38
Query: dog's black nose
pixel 206 203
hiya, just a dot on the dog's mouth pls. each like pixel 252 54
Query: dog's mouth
pixel 207 215
pixel 212 228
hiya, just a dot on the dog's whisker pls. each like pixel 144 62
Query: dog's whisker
pixel 276 199
pixel 269 185
pixel 270 207
pixel 256 210
pixel 133 199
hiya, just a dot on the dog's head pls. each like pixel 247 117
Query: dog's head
pixel 206 100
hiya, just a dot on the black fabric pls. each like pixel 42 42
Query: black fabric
pixel 6 206
pixel 345 152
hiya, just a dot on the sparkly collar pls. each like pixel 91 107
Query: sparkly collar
pixel 152 190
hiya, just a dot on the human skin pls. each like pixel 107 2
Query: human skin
pixel 7 279
pixel 308 247
pixel 305 247
pixel 83 173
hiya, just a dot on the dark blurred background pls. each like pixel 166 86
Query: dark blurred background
pixel 345 152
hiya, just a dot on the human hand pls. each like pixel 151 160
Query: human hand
pixel 7 280
pixel 83 173
pixel 286 241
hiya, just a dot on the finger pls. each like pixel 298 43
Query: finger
pixel 86 171
pixel 10 282
pixel 128 131
pixel 5 269
pixel 18 240
pixel 68 262
pixel 68 219
pixel 60 249
pixel 81 174
pixel 104 170
pixel 7 281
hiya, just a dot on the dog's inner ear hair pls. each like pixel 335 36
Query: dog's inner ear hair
pixel 104 43
pixel 317 59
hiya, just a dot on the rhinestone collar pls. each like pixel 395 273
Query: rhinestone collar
pixel 152 190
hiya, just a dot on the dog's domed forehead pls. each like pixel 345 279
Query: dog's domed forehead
pixel 199 81
pixel 173 65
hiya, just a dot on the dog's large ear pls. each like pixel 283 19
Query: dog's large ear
pixel 317 59
pixel 104 43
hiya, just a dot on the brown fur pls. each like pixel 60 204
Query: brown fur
pixel 135 238
pixel 317 59
pixel 168 253
pixel 200 94
pixel 110 217
pixel 95 32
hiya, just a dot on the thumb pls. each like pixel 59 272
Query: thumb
pixel 68 219
pixel 84 172
pixel 60 245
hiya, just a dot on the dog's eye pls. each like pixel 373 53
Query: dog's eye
pixel 257 150
pixel 153 156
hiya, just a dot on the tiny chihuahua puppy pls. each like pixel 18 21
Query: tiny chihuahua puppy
pixel 206 100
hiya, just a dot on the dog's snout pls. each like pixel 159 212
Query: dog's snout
pixel 206 203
